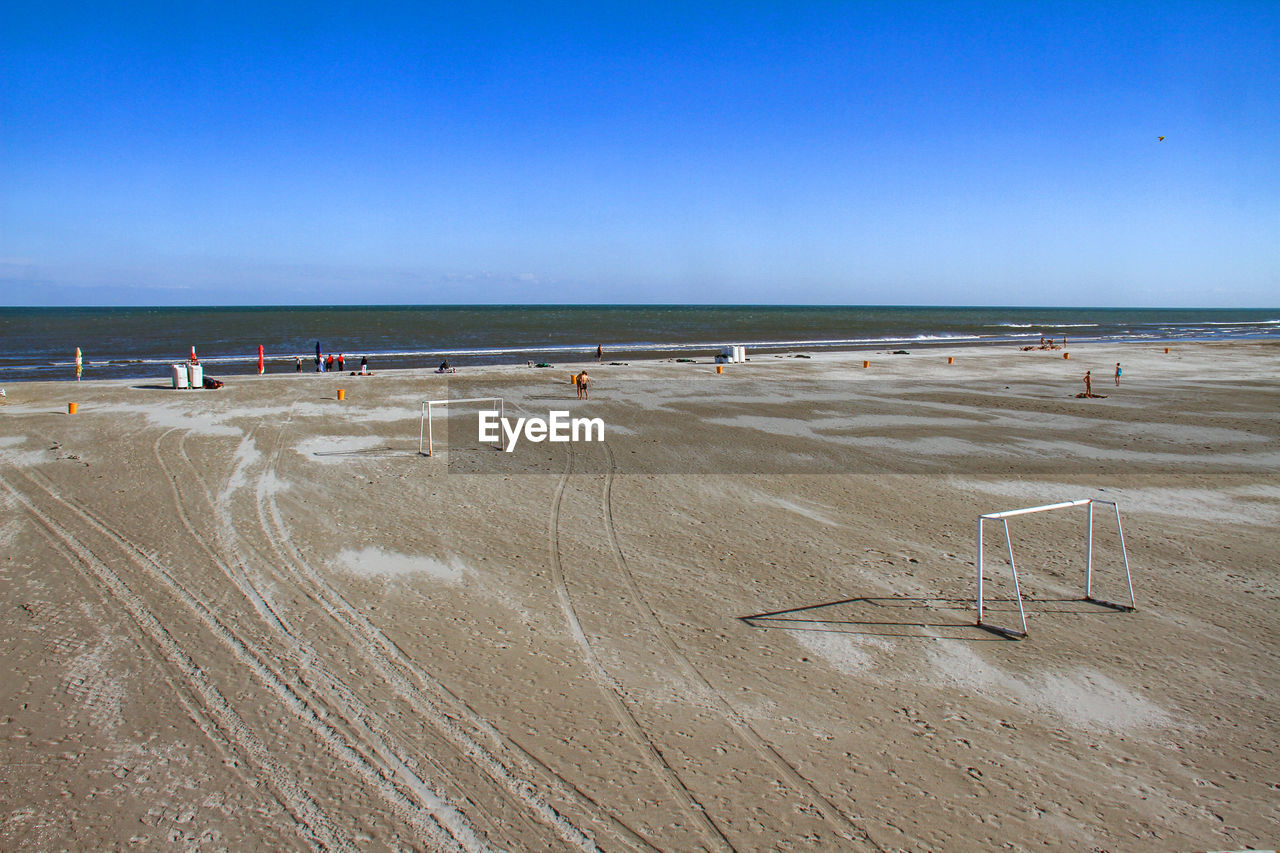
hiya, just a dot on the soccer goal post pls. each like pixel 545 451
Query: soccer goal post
pixel 425 435
pixel 1003 519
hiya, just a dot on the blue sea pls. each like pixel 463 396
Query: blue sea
pixel 39 343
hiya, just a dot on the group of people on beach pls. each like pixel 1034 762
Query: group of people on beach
pixel 1046 343
pixel 327 364
pixel 1088 381
pixel 581 381
pixel 324 364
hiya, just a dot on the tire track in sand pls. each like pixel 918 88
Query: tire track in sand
pixel 432 817
pixel 237 575
pixel 505 763
pixel 845 825
pixel 361 723
pixel 311 822
pixel 711 833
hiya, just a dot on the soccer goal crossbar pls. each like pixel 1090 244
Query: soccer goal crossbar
pixel 1003 519
pixel 428 406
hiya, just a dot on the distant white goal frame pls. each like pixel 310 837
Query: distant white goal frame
pixel 1003 518
pixel 425 435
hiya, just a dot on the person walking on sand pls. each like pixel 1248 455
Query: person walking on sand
pixel 1088 384
pixel 599 353
pixel 583 380
pixel 1117 374
pixel 297 364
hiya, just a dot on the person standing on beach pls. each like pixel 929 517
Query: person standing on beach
pixel 328 363
pixel 582 381
pixel 364 364
pixel 1117 374
pixel 1088 384
pixel 297 359
pixel 599 353
pixel 340 367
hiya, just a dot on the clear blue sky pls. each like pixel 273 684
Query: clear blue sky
pixel 894 153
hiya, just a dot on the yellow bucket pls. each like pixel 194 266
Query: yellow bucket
pixel 866 364
pixel 1066 355
pixel 951 359
pixel 71 408
pixel 342 394
pixel 719 368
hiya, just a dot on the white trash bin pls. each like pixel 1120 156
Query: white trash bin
pixel 179 376
pixel 195 373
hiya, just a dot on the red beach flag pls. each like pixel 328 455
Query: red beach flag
pixel 260 369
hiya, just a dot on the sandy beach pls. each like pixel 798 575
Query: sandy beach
pixel 257 618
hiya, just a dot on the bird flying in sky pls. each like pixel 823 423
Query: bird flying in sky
pixel 1160 138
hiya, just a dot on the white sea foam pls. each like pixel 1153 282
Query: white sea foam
pixel 1241 323
pixel 1040 326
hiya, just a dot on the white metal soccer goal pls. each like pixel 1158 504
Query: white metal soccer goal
pixel 1003 518
pixel 425 436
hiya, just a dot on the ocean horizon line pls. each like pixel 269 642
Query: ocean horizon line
pixel 630 305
